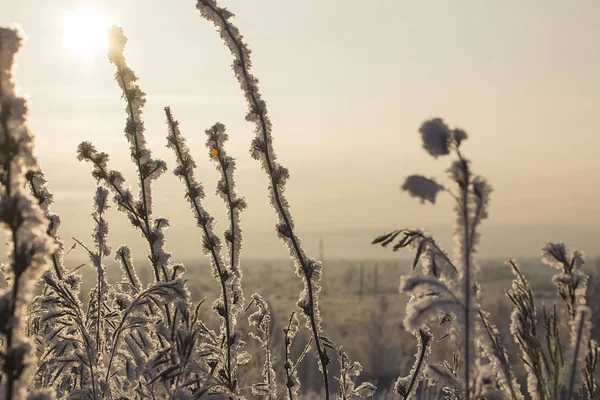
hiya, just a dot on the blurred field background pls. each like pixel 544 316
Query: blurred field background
pixel 361 307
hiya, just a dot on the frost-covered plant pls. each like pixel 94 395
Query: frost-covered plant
pixel 261 320
pixel 152 335
pixel 134 341
pixel 494 351
pixel 138 211
pixel 58 315
pixel 571 284
pixel 407 386
pixel 168 360
pixel 451 290
pixel 226 270
pixel 550 372
pixel 24 223
pixel 101 349
pixel 348 371
pixel 38 185
pixel 447 293
pixel 96 310
pixel 292 383
pixel 525 332
pixel 307 268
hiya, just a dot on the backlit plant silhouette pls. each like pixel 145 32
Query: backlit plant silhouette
pixel 447 294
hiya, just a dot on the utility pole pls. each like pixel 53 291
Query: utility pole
pixel 321 249
pixel 376 279
pixel 361 288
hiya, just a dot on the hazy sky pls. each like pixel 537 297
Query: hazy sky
pixel 348 83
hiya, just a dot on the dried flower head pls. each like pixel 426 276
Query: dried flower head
pixel 436 137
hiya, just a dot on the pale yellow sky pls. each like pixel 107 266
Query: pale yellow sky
pixel 348 83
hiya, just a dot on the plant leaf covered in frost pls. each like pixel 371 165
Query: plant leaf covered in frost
pixel 428 253
pixel 102 349
pixel 407 386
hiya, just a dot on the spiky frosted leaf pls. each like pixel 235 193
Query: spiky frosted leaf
pixel 407 386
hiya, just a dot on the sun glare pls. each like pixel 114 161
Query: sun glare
pixel 85 32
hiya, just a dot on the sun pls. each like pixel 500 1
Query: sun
pixel 85 32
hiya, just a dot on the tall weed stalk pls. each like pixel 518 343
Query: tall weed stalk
pixel 447 294
pixel 307 268
pixel 23 222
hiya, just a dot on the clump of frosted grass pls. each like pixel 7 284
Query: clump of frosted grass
pixel 525 332
pixel 151 354
pixel 100 349
pixel 130 340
